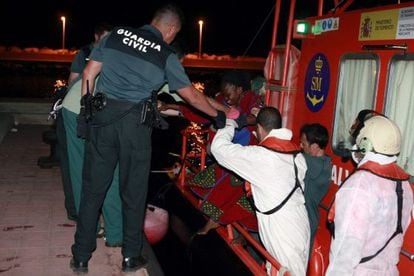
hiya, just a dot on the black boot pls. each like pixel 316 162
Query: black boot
pixel 78 267
pixel 131 264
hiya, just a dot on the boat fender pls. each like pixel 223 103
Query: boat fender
pixel 155 224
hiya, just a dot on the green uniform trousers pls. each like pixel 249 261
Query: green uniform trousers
pixel 62 149
pixel 111 208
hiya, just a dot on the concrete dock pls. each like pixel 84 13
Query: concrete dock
pixel 35 234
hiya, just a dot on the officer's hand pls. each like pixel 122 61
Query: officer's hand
pixel 233 113
pixel 220 119
pixel 241 121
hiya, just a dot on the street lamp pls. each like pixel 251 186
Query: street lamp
pixel 63 19
pixel 200 23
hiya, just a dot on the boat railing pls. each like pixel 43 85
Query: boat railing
pixel 193 160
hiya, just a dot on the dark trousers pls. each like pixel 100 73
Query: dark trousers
pixel 61 145
pixel 111 208
pixel 114 136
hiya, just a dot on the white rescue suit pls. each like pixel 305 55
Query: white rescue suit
pixel 365 218
pixel 285 233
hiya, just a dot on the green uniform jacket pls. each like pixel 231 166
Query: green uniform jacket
pixel 317 179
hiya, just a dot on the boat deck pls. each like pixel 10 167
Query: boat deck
pixel 35 234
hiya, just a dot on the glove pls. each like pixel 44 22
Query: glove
pixel 220 119
pixel 233 113
pixel 241 121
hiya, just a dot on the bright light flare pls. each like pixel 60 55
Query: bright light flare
pixel 200 37
pixel 63 19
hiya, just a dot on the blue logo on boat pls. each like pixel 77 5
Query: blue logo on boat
pixel 317 82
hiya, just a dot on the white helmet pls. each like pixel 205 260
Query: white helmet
pixel 380 135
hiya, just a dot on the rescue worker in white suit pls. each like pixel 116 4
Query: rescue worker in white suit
pixel 270 168
pixel 372 208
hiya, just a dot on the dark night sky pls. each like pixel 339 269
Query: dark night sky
pixel 230 24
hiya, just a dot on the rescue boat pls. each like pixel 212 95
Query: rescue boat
pixel 346 57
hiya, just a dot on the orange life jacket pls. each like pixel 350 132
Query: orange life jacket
pixel 389 171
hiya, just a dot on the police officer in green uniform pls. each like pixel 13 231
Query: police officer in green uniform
pixel 132 62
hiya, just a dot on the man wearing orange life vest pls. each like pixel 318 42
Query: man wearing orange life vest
pixel 270 168
pixel 373 206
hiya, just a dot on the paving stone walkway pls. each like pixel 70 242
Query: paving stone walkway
pixel 35 235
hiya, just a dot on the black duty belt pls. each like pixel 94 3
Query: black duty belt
pixel 122 107
pixel 147 107
pixel 121 104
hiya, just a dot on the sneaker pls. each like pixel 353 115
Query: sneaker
pixel 131 264
pixel 78 267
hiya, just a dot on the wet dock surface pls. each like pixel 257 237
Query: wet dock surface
pixel 36 236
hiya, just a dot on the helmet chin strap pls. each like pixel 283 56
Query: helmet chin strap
pixel 354 153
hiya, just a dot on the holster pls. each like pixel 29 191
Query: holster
pixel 150 116
pixel 84 117
pixel 81 126
pixel 86 107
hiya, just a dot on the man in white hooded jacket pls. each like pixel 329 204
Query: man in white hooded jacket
pixel 269 167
